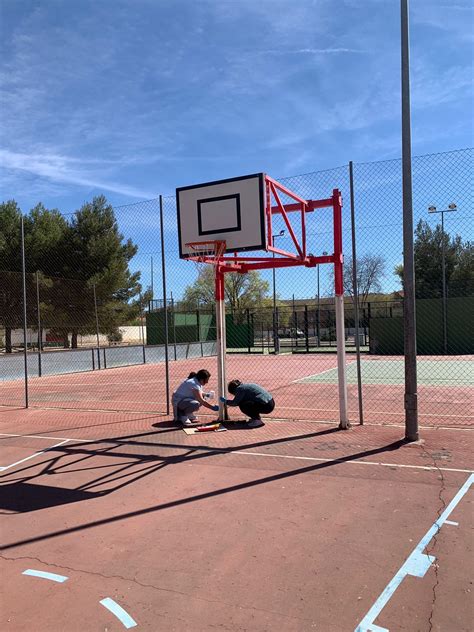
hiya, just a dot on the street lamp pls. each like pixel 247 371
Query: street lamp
pixel 319 320
pixel 276 340
pixel 432 209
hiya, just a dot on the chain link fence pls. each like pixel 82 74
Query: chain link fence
pixel 280 323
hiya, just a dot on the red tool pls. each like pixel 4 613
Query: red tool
pixel 208 428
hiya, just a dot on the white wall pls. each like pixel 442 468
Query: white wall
pixel 131 334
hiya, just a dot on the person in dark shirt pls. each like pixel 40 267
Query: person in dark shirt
pixel 252 399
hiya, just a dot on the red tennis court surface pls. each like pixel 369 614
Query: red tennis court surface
pixel 122 520
pixel 304 387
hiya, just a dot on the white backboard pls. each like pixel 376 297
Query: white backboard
pixel 232 210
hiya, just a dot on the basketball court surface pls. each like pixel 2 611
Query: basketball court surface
pixel 119 520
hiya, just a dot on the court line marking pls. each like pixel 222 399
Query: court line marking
pixel 429 468
pixel 121 614
pixel 306 377
pixel 6 434
pixel 51 576
pixel 315 459
pixel 160 413
pixel 32 456
pixel 416 564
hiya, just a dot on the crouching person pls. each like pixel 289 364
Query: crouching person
pixel 252 399
pixel 189 397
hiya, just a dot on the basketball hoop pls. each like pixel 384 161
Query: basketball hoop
pixel 211 252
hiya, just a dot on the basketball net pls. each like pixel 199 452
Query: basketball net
pixel 205 253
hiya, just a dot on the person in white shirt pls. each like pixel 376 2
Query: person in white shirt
pixel 189 397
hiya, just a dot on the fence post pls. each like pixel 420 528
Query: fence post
pixel 25 319
pixel 277 330
pixel 248 330
pixel 97 327
pixel 173 325
pixel 198 324
pixel 355 290
pixel 306 333
pixel 40 332
pixel 165 308
pixel 409 306
pixel 142 328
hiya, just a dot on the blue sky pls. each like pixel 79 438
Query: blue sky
pixel 133 98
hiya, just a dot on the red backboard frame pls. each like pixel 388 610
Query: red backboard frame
pixel 273 205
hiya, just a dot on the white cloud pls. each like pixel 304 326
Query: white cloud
pixel 311 51
pixel 66 170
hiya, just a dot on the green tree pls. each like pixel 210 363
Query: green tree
pixel 242 291
pixel 100 258
pixel 11 297
pixel 458 258
pixel 47 240
pixel 70 260
pixel 10 237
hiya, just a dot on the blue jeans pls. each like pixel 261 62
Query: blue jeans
pixel 184 407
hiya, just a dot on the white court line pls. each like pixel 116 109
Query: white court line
pixel 32 456
pixel 428 468
pixel 122 615
pixel 416 564
pixel 348 461
pixel 308 377
pixel 160 413
pixel 51 576
pixel 5 434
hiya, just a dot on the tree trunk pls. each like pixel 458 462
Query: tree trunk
pixel 65 334
pixel 8 339
pixel 74 339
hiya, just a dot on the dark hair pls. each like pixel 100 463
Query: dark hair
pixel 233 385
pixel 202 375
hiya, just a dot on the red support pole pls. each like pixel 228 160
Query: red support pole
pixel 268 212
pixel 338 255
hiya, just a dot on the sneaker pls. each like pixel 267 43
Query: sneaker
pixel 192 418
pixel 254 423
pixel 190 422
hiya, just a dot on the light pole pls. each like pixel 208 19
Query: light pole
pixel 432 209
pixel 276 340
pixel 318 323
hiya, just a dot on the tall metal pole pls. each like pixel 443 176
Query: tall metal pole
pixel 409 306
pixel 40 332
pixel 443 272
pixel 25 319
pixel 355 289
pixel 165 305
pixel 152 281
pixel 221 341
pixel 318 322
pixel 173 322
pixel 275 327
pixel 142 329
pixel 339 308
pixel 97 326
pixel 276 339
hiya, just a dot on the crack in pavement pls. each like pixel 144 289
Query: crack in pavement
pixel 158 588
pixel 432 546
